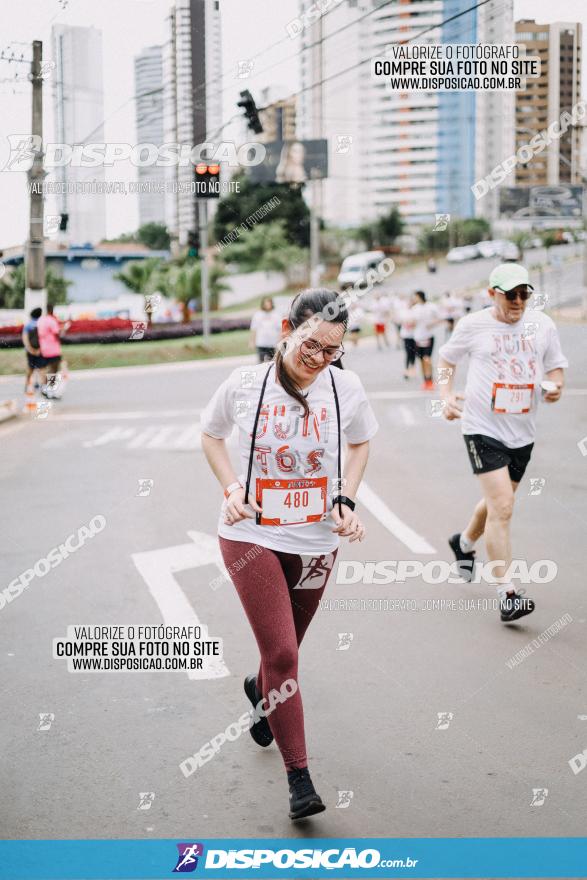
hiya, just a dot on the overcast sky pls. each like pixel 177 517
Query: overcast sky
pixel 249 27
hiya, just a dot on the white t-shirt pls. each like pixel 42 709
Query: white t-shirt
pixel 407 321
pixel 289 445
pixel 425 314
pixel 517 354
pixel 267 327
pixel 381 308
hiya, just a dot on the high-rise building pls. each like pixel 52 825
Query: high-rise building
pixel 557 89
pixel 494 111
pixel 420 151
pixel 192 78
pixel 149 125
pixel 278 117
pixel 78 105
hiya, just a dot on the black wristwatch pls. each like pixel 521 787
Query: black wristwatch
pixel 342 499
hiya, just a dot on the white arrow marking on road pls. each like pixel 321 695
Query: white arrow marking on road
pixel 413 541
pixel 157 567
pixel 163 437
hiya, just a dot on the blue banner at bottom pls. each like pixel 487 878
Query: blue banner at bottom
pixel 293 857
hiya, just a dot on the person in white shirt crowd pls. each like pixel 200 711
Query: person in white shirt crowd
pixel 288 502
pixel 265 330
pixel 356 316
pixel 398 305
pixel 450 309
pixel 426 316
pixel 406 332
pixel 515 361
pixel 381 308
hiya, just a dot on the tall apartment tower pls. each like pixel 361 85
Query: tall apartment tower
pixel 383 144
pixel 192 78
pixel 149 125
pixel 78 106
pixel 494 111
pixel 558 88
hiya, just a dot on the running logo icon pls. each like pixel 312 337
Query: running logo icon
pixel 187 860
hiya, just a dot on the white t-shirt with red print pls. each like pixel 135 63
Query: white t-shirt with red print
pixel 289 445
pixel 507 363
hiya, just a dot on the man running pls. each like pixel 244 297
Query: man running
pixel 515 357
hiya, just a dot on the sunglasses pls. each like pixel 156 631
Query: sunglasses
pixel 512 295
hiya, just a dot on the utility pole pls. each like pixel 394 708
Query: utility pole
pixel 316 185
pixel 205 276
pixel 35 293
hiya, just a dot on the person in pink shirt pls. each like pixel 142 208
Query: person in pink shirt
pixel 50 344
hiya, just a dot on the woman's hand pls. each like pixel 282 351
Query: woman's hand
pixel 349 525
pixel 236 510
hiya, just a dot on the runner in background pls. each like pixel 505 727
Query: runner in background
pixel 450 310
pixel 287 503
pixel 381 307
pixel 515 360
pixel 426 317
pixel 265 330
pixel 406 332
pixel 30 340
pixel 50 343
pixel 398 305
pixel 356 316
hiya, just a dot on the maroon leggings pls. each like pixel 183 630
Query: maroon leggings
pixel 279 616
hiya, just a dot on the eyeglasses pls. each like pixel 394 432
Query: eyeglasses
pixel 512 295
pixel 309 348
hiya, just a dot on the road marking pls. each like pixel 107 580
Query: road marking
pixel 162 437
pixel 115 416
pixel 158 567
pixel 412 540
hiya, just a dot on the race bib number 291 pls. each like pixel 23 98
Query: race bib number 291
pixel 511 399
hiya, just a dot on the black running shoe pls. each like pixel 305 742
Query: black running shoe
pixel 260 730
pixel 466 561
pixel 303 798
pixel 515 606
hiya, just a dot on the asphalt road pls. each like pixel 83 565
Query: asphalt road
pixel 372 710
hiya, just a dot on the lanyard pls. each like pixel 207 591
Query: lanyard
pixel 254 436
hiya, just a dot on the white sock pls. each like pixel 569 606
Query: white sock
pixel 503 588
pixel 466 544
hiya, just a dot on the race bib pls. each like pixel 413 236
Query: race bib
pixel 290 502
pixel 511 399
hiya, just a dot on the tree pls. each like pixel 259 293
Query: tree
pixel 185 284
pixel 137 274
pixel 266 248
pixel 389 227
pixel 12 288
pixel 154 236
pixel 237 207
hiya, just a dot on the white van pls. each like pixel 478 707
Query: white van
pixel 355 267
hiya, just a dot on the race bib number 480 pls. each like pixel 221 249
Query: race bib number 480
pixel 511 399
pixel 289 502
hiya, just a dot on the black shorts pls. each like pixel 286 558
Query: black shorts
pixel 425 350
pixel 487 454
pixel 36 361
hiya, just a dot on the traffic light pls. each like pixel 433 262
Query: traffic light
pixel 194 243
pixel 63 221
pixel 247 102
pixel 207 177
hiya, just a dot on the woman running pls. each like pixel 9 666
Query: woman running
pixel 284 513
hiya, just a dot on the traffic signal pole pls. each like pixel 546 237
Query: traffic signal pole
pixel 205 275
pixel 35 293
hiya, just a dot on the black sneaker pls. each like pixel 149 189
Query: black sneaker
pixel 303 798
pixel 260 730
pixel 515 606
pixel 466 561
